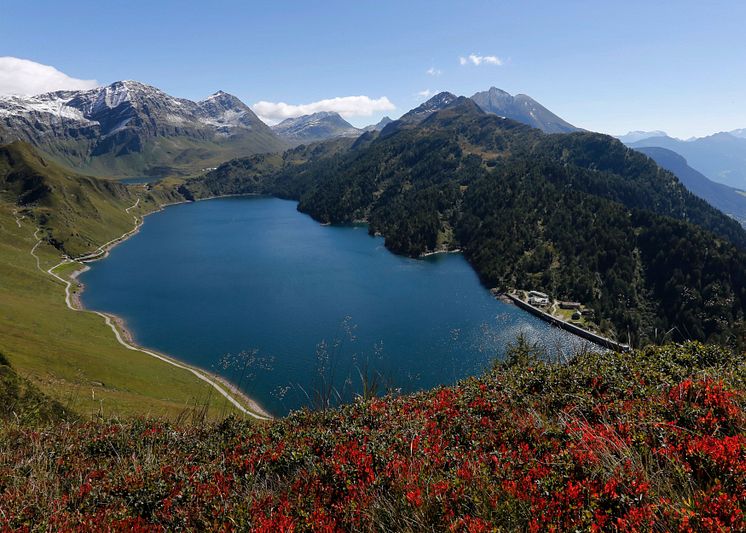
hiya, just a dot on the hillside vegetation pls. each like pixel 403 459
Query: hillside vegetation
pixel 75 213
pixel 258 174
pixel 652 440
pixel 577 215
pixel 23 403
pixel 74 357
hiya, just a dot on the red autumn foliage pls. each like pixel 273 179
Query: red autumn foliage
pixel 538 448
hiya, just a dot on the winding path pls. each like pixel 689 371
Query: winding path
pixel 101 252
pixel 18 219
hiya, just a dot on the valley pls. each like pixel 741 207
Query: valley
pixel 721 156
pixel 338 267
pixel 472 169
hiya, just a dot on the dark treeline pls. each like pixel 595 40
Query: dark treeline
pixel 578 215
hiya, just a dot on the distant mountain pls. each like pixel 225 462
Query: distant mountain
pixel 315 127
pixel 132 129
pixel 729 200
pixel 520 108
pixel 721 157
pixel 421 112
pixel 523 109
pixel 739 133
pixel 415 116
pixel 379 126
pixel 634 136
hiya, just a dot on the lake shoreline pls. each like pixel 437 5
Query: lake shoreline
pixel 591 336
pixel 125 335
pixel 439 252
pixel 347 248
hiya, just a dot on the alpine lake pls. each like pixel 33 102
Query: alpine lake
pixel 296 313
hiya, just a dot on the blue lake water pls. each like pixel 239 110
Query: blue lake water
pixel 224 276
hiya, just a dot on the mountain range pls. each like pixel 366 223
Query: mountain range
pixel 721 157
pixel 321 126
pixel 729 200
pixel 132 129
pixel 329 125
pixel 639 135
pixel 521 108
pixel 129 129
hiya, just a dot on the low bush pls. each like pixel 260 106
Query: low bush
pixel 649 440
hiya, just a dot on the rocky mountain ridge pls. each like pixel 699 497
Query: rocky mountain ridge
pixel 521 108
pixel 150 129
pixel 315 127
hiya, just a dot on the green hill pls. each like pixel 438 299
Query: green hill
pixel 74 212
pixel 255 174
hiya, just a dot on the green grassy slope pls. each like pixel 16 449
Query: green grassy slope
pixel 75 213
pixel 74 356
pixel 161 156
pixel 22 402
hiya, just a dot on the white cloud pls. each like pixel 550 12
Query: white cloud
pixel 477 60
pixel 427 93
pixel 434 71
pixel 347 106
pixel 21 76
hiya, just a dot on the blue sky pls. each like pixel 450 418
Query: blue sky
pixel 611 67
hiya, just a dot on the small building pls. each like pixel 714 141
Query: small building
pixel 569 305
pixel 538 298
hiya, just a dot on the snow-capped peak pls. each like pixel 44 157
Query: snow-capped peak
pixel 115 106
pixel 217 94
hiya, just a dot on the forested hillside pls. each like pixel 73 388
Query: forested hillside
pixel 578 215
pixel 729 200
